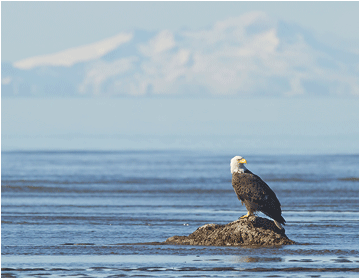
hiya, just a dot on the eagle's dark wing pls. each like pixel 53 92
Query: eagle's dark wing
pixel 257 195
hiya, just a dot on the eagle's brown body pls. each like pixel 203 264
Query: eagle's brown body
pixel 256 195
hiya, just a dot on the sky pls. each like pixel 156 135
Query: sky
pixel 270 124
pixel 36 28
pixel 257 126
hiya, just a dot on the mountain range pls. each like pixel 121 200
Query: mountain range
pixel 252 54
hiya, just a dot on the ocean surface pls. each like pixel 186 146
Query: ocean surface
pixel 107 214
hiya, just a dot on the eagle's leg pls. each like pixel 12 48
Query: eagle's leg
pixel 247 215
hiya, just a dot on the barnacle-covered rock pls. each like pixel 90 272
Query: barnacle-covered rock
pixel 243 232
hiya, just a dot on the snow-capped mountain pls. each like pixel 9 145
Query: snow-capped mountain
pixel 249 55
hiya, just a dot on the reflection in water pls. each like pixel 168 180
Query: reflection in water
pixel 255 259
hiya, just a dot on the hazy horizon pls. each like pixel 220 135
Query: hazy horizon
pixel 247 77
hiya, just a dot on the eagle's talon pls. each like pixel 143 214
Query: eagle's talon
pixel 246 216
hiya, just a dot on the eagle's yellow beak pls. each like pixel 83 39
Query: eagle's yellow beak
pixel 242 161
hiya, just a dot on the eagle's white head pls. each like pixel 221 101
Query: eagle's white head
pixel 237 164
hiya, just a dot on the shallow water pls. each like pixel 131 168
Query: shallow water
pixel 106 214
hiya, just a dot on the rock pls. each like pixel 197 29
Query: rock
pixel 243 232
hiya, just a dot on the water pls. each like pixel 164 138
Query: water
pixel 106 214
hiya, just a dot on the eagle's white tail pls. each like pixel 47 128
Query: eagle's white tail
pixel 278 225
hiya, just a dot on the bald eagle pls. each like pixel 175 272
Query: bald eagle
pixel 254 192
